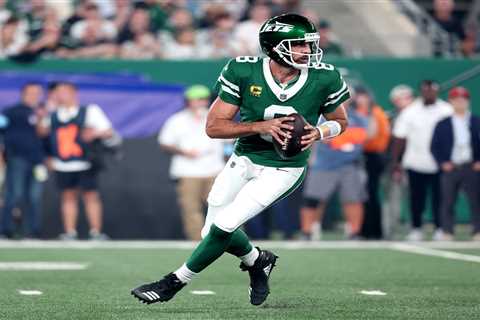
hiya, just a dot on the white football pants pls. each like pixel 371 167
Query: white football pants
pixel 244 189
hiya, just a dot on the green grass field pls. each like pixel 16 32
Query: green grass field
pixel 322 283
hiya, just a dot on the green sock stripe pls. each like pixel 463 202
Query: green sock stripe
pixel 240 244
pixel 209 249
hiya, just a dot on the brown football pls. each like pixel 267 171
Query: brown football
pixel 292 146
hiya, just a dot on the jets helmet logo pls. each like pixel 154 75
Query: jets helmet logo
pixel 277 27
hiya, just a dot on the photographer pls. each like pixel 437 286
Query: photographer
pixel 74 130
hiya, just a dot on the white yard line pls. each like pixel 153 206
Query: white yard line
pixel 202 292
pixel 289 245
pixel 373 293
pixel 30 292
pixel 41 266
pixel 435 252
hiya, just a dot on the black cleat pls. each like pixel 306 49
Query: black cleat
pixel 160 291
pixel 259 274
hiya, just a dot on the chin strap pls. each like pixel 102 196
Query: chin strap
pixel 334 129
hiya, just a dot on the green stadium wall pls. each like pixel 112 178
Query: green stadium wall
pixel 380 74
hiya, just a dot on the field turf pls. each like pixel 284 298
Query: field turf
pixel 314 283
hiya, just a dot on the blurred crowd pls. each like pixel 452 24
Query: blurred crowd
pixel 463 34
pixel 141 29
pixel 177 29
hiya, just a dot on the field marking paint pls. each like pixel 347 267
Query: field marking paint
pixel 373 293
pixel 30 292
pixel 41 266
pixel 435 252
pixel 288 245
pixel 202 292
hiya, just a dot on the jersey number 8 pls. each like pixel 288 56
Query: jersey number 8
pixel 275 111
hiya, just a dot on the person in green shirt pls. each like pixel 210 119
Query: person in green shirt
pixel 291 79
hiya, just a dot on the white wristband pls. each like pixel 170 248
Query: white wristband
pixel 334 129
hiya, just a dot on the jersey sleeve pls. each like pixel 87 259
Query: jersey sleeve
pixel 97 119
pixel 228 84
pixel 337 92
pixel 401 126
pixel 169 133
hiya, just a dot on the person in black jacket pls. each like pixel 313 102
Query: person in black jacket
pixel 24 153
pixel 456 149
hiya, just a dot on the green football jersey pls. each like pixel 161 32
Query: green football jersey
pixel 247 82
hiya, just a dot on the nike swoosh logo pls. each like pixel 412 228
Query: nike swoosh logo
pixel 278 169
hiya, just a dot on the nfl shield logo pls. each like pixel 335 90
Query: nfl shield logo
pixel 283 96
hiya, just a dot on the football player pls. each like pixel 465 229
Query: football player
pixel 291 79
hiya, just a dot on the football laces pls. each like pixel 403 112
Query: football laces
pixel 285 142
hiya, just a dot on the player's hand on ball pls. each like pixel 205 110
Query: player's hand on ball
pixel 277 128
pixel 312 135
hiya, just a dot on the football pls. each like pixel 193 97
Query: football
pixel 292 146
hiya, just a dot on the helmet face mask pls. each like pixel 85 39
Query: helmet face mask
pixel 312 59
pixel 280 35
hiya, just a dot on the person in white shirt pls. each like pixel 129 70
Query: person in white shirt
pixel 196 158
pixel 13 37
pixel 246 33
pixel 456 148
pixel 412 133
pixel 71 130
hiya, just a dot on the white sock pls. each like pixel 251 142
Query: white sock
pixel 249 258
pixel 184 274
pixel 316 231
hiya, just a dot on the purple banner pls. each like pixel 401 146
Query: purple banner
pixel 135 107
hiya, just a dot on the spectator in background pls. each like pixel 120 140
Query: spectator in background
pixel 5 14
pixel 401 96
pixel 90 37
pixel 38 12
pixel 12 38
pixel 327 43
pixel 336 165
pixel 159 12
pixel 184 45
pixel 72 128
pixel 138 41
pixel 79 14
pixel 197 159
pixel 93 22
pixel 51 101
pixel 209 10
pixel 378 133
pixel 180 39
pixel 246 33
pixel 412 133
pixel 180 19
pixel 456 149
pixel 47 40
pixel 123 11
pixel 216 42
pixel 24 157
pixel 443 15
pixel 471 45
